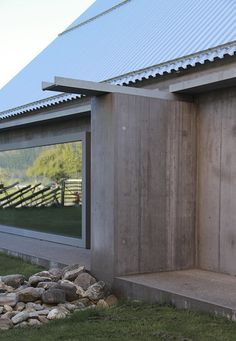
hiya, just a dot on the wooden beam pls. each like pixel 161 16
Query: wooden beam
pixel 214 80
pixel 89 88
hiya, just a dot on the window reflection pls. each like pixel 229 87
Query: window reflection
pixel 41 189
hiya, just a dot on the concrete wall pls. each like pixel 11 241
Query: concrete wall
pixel 143 185
pixel 216 218
pixel 144 168
pixel 57 131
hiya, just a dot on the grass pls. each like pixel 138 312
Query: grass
pixel 129 321
pixel 63 221
pixel 14 265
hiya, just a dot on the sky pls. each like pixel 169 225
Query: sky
pixel 28 26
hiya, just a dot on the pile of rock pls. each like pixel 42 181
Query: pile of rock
pixel 49 295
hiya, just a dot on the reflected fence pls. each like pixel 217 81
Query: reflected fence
pixel 67 193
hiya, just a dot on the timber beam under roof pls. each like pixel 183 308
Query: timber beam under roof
pixel 89 88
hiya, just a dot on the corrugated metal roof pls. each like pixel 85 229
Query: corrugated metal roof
pixel 135 40
pixel 177 64
pixel 43 103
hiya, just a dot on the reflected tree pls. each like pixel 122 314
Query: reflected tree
pixel 58 162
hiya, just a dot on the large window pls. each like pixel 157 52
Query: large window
pixel 41 190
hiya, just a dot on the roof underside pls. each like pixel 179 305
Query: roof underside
pixel 126 41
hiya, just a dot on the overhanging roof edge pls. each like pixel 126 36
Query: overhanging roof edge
pixel 89 88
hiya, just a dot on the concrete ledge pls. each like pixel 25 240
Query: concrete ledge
pixel 45 253
pixel 46 263
pixel 192 289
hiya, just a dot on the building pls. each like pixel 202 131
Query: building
pixel 154 86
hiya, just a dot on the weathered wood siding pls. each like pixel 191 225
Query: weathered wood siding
pixel 143 185
pixel 217 181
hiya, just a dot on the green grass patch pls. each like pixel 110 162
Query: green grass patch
pixel 14 265
pixel 65 221
pixel 127 322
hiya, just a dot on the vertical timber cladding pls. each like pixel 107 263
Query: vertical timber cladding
pixel 217 181
pixel 143 185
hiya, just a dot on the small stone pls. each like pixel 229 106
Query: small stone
pixel 5 288
pixel 69 289
pixel 84 280
pixel 7 309
pixel 56 314
pixel 9 299
pixel 33 307
pixel 13 280
pixel 30 294
pixel 66 281
pixel 69 268
pixel 34 323
pixel 20 317
pixel 43 319
pixel 111 300
pixel 47 285
pixel 34 280
pixel 102 304
pixel 20 306
pixel 43 274
pixel 1 310
pixel 5 324
pixel 9 315
pixel 70 307
pixel 80 306
pixel 29 307
pixel 92 306
pixel 36 314
pixel 54 296
pixel 38 301
pixel 80 292
pixel 61 307
pixel 71 272
pixel 23 324
pixel 96 291
pixel 56 274
pixel 85 301
pixel 39 307
pixel 48 306
pixel 21 288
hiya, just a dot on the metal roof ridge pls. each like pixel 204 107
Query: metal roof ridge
pixel 123 2
pixel 175 61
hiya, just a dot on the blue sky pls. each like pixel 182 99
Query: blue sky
pixel 28 26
